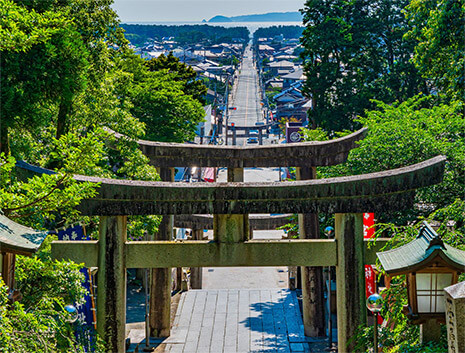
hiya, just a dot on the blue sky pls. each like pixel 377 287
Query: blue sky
pixel 196 10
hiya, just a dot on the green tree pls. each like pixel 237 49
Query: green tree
pixel 354 51
pixel 168 113
pixel 438 28
pixel 49 74
pixel 399 135
pixel 181 73
pixel 39 66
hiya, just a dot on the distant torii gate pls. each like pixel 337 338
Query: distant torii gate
pixel 230 204
pixel 262 132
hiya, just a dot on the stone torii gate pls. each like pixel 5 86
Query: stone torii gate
pixel 306 156
pixel 230 203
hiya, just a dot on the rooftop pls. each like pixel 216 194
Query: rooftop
pixel 19 239
pixel 419 252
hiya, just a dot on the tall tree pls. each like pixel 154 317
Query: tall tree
pixel 53 51
pixel 182 73
pixel 354 51
pixel 38 65
pixel 168 113
pixel 438 27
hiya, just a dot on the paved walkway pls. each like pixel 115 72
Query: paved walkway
pixel 238 320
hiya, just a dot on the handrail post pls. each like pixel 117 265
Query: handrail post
pixel 196 272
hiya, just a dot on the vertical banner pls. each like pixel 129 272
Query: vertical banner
pixel 368 233
pixel 370 280
pixel 85 330
pixel 368 225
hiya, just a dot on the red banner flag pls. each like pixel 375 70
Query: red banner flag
pixel 369 232
pixel 368 225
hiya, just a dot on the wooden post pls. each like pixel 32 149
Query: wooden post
pixel 235 175
pixel 350 278
pixel 111 283
pixel 196 272
pixel 311 277
pixel 8 269
pixel 160 284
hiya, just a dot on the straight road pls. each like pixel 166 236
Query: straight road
pixel 245 95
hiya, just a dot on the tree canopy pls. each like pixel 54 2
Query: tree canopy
pixel 181 73
pixel 286 31
pixel 438 28
pixel 355 51
pixel 139 34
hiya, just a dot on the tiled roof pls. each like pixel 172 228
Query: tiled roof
pixel 413 255
pixel 17 238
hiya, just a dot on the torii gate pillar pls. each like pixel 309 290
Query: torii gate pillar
pixel 350 278
pixel 160 283
pixel 111 282
pixel 312 277
pixel 232 228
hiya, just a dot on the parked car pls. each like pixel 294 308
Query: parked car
pixel 252 140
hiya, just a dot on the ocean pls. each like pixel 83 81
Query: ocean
pixel 252 26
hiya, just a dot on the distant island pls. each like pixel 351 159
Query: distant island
pixel 266 17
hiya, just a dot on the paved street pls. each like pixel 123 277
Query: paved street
pixel 245 95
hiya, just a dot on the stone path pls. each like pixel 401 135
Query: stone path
pixel 238 320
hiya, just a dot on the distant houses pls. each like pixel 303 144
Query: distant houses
pixel 215 65
pixel 282 77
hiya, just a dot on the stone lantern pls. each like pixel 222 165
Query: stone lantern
pixel 429 266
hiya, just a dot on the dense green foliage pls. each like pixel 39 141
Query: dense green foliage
pixel 158 99
pixel 181 73
pixel 38 323
pixel 399 135
pixel 355 51
pixel 438 28
pixel 403 134
pixel 286 31
pixel 186 34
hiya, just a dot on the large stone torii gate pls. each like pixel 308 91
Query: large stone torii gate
pixel 230 203
pixel 304 156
